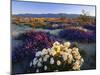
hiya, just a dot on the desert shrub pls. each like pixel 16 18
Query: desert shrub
pixel 78 35
pixel 59 57
pixel 31 42
pixel 90 27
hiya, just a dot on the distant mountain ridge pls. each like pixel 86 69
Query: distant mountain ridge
pixel 49 15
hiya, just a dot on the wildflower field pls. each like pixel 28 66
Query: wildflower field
pixel 42 51
pixel 52 42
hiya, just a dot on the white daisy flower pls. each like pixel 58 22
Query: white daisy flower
pixel 61 45
pixel 69 50
pixel 37 70
pixel 70 57
pixel 77 62
pixel 77 57
pixel 40 59
pixel 67 44
pixel 75 53
pixel 38 54
pixel 51 61
pixel 76 67
pixel 49 49
pixel 45 58
pixel 52 52
pixel 39 64
pixel 30 64
pixel 45 67
pixel 35 61
pixel 58 62
pixel 81 61
pixel 44 51
pixel 56 70
pixel 65 49
pixel 75 49
pixel 65 56
pixel 56 43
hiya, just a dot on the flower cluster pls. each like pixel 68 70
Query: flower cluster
pixel 60 57
pixel 31 42
pixel 90 27
pixel 79 34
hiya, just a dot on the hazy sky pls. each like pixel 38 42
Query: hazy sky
pixel 19 7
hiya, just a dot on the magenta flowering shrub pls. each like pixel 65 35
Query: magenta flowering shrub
pixel 31 42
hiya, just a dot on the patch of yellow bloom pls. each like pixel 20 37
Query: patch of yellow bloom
pixel 60 47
